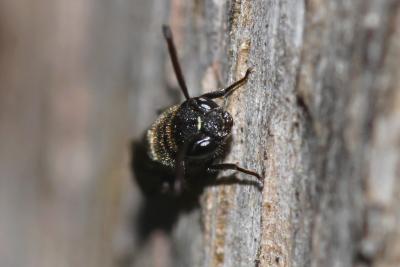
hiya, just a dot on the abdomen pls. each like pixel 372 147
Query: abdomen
pixel 160 138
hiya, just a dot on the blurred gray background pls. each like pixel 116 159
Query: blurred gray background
pixel 78 81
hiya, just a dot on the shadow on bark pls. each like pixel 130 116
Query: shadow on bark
pixel 161 209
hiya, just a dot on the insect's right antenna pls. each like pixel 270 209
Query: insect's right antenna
pixel 174 59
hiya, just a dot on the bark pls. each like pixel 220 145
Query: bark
pixel 319 119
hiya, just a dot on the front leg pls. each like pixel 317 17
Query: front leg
pixel 226 91
pixel 179 179
pixel 180 169
pixel 232 166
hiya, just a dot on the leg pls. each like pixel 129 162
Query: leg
pixel 227 90
pixel 180 169
pixel 231 180
pixel 179 179
pixel 232 166
pixel 174 59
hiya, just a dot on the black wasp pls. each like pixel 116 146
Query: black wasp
pixel 187 139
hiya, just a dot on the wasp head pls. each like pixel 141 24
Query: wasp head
pixel 202 126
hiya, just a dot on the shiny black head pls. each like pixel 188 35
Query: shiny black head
pixel 202 126
pixel 190 137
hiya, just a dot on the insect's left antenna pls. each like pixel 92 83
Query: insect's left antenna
pixel 174 59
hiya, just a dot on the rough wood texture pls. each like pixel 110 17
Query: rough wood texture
pixel 319 119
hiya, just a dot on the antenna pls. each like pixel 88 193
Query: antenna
pixel 174 59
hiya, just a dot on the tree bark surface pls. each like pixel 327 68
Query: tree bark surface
pixel 318 118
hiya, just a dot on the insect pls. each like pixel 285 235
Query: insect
pixel 188 139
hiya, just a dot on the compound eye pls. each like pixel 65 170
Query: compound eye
pixel 202 148
pixel 206 104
